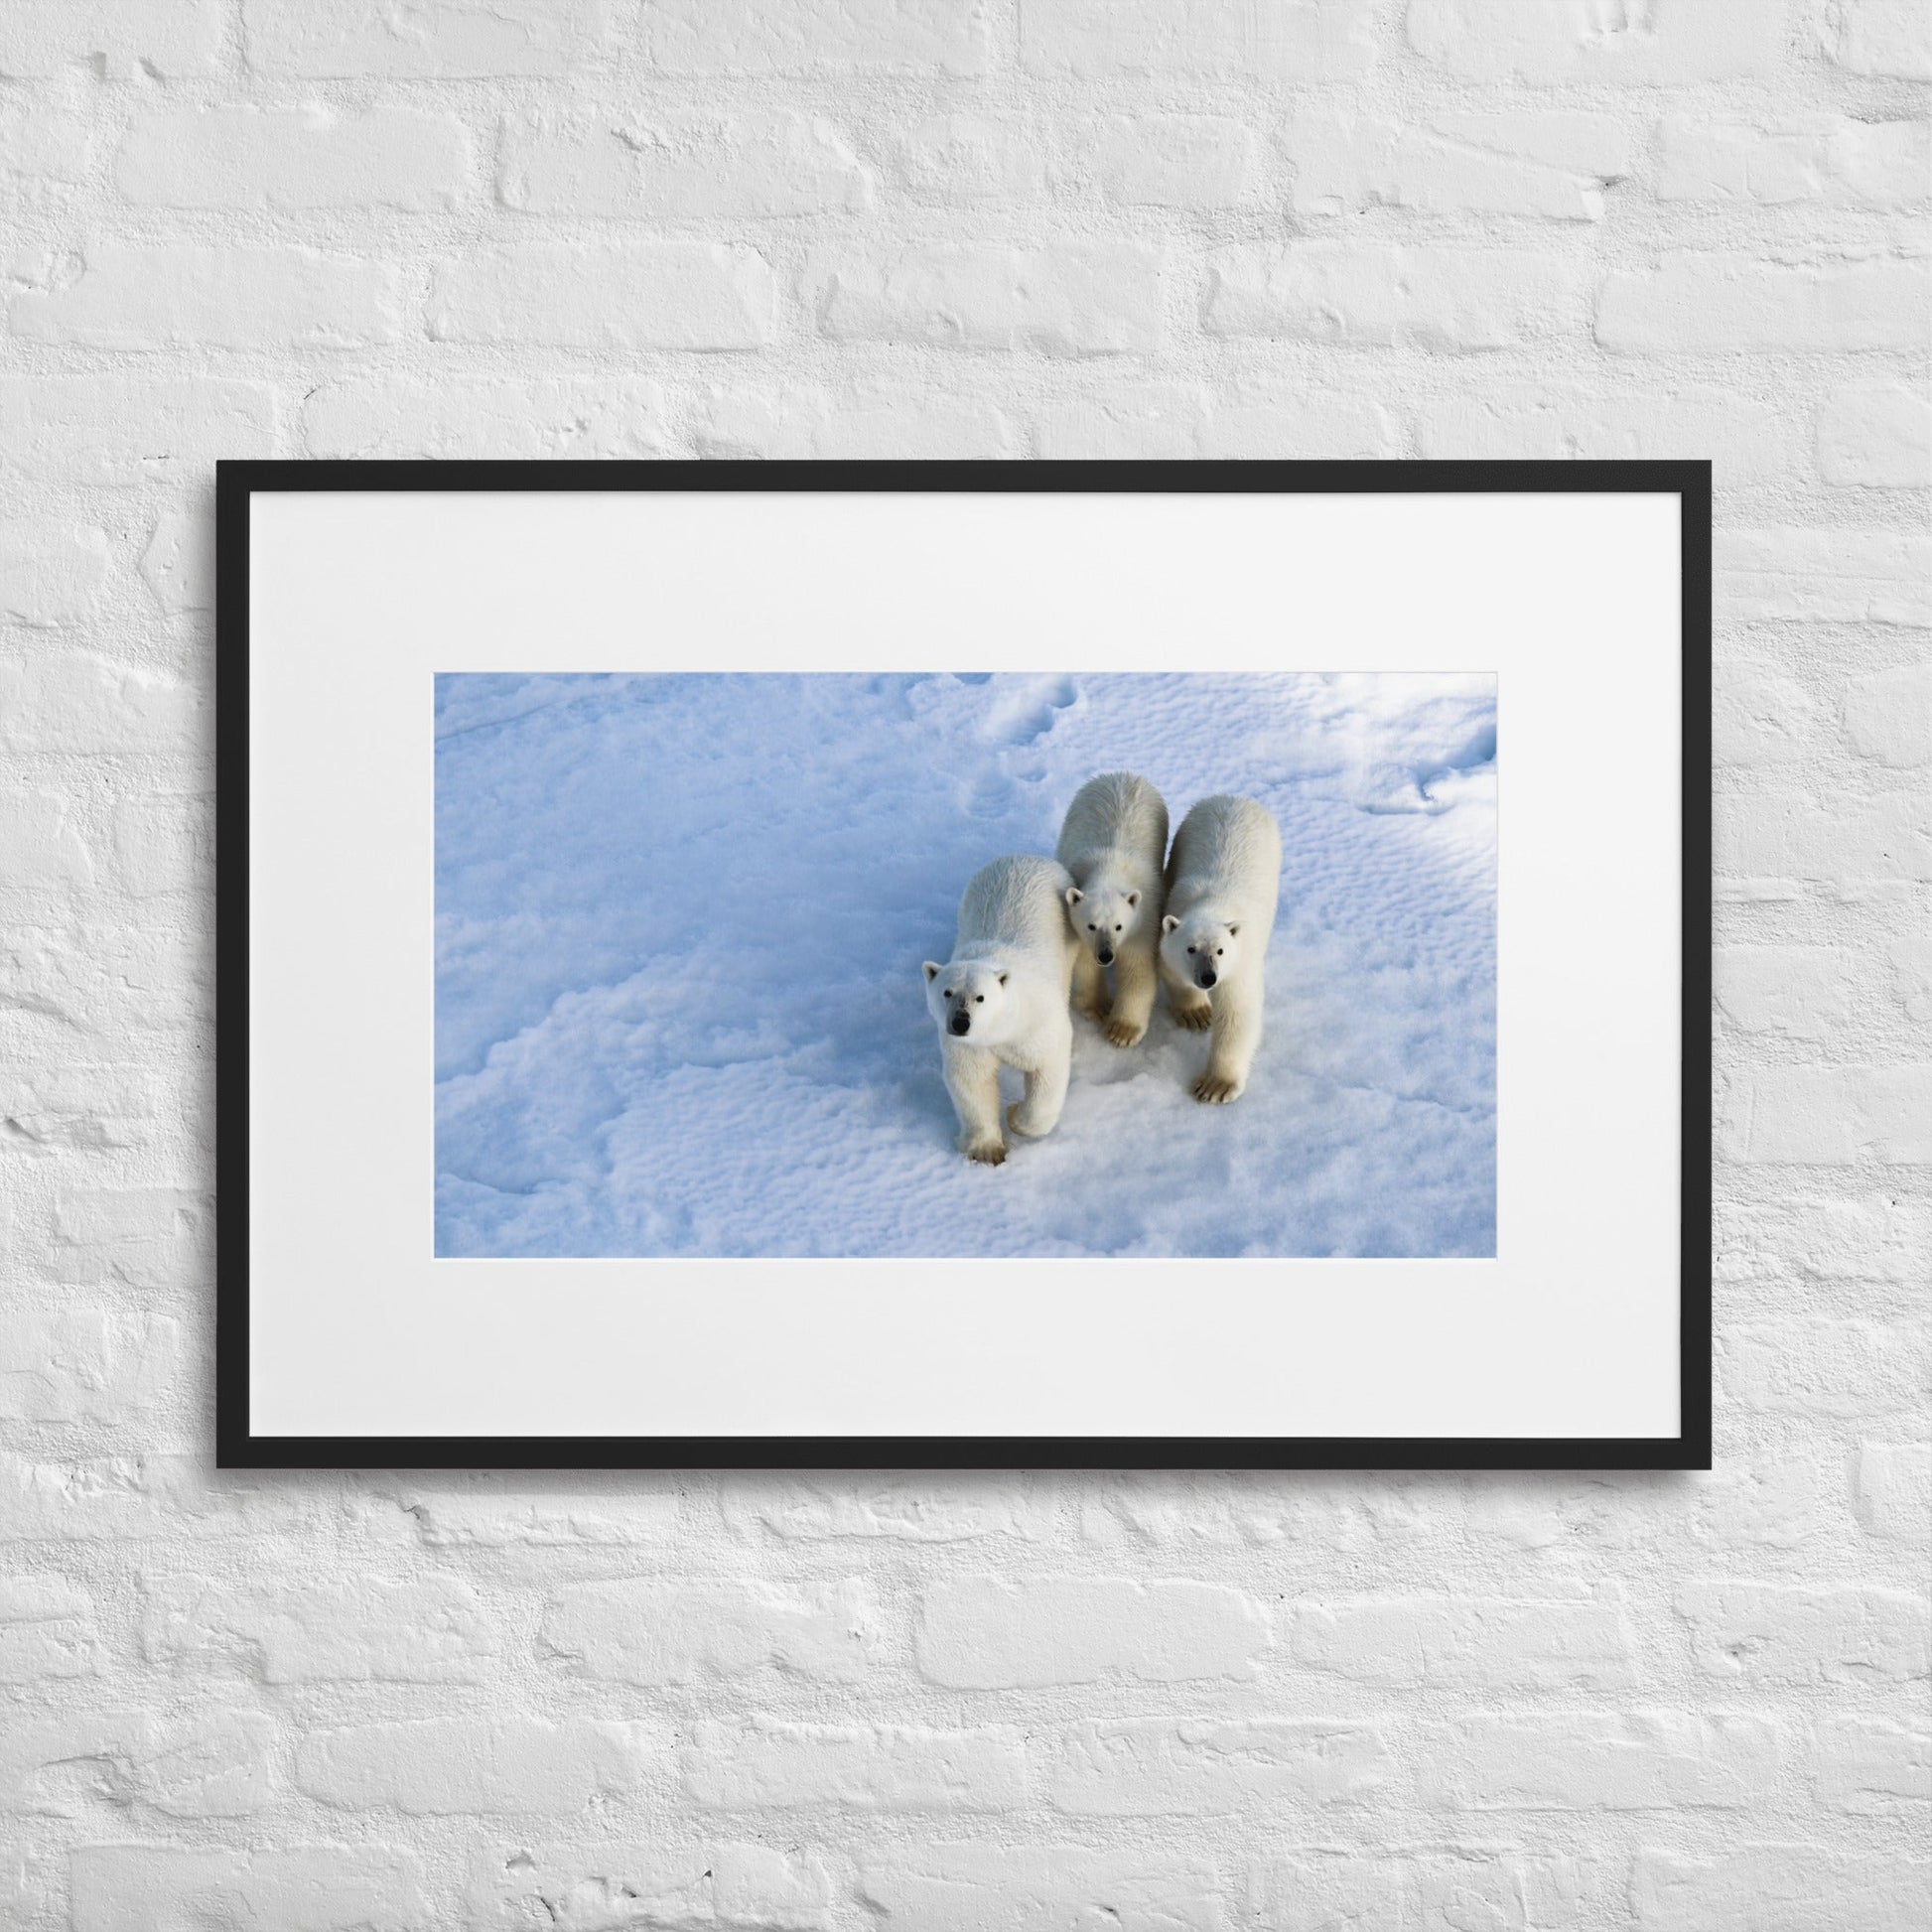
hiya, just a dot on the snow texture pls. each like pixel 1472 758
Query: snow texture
pixel 679 1005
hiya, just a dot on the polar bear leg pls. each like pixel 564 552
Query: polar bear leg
pixel 1039 1112
pixel 1231 1049
pixel 1135 981
pixel 973 1080
pixel 1191 1007
pixel 1089 985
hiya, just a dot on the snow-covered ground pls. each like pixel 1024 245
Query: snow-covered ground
pixel 679 1010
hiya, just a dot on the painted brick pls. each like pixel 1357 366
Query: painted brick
pixel 42 848
pixel 38 39
pixel 1555 165
pixel 1834 1115
pixel 1177 161
pixel 292 1889
pixel 1776 1888
pixel 693 295
pixel 40 144
pixel 214 1766
pixel 1700 303
pixel 1380 295
pixel 178 565
pixel 1888 38
pixel 559 416
pixel 736 1888
pixel 639 1632
pixel 1869 1764
pixel 431 1631
pixel 1151 1767
pixel 1781 1633
pixel 1467 1640
pixel 865 423
pixel 1818 1368
pixel 1670 43
pixel 1253 422
pixel 957 160
pixel 1888 716
pixel 1584 1760
pixel 1841 164
pixel 709 37
pixel 144 1237
pixel 130 429
pixel 1874 850
pixel 1300 43
pixel 751 167
pixel 969 1887
pixel 762 1763
pixel 897 1508
pixel 979 1633
pixel 463 1766
pixel 70 1365
pixel 47 1630
pixel 242 157
pixel 1794 992
pixel 1894 1491
pixel 1077 299
pixel 1876 434
pixel 164 844
pixel 1830 576
pixel 50 571
pixel 135 1498
pixel 1562 421
pixel 178 295
pixel 494 1512
pixel 1461 1886
pixel 454 41
pixel 1871 1237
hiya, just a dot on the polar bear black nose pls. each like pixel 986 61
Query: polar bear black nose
pixel 1205 977
pixel 961 1022
pixel 1105 956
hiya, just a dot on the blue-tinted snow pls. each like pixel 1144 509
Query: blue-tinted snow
pixel 679 922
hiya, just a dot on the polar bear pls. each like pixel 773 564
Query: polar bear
pixel 1000 1000
pixel 1223 877
pixel 1113 843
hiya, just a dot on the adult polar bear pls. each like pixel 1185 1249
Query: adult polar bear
pixel 1113 842
pixel 1223 878
pixel 1000 1000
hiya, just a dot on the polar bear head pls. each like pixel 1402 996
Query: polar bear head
pixel 1105 915
pixel 1203 948
pixel 969 1000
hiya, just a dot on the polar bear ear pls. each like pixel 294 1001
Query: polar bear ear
pixel 932 972
pixel 1168 923
pixel 1003 978
pixel 1133 899
pixel 1232 931
pixel 1075 895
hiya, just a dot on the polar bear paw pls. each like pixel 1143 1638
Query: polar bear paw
pixel 1196 1019
pixel 1093 1009
pixel 1019 1120
pixel 989 1153
pixel 1123 1032
pixel 1214 1091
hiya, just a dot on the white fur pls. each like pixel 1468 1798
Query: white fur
pixel 1011 969
pixel 1223 878
pixel 1113 843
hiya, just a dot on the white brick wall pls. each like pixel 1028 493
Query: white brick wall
pixel 1002 228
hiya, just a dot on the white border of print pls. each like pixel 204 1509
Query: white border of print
pixel 1572 599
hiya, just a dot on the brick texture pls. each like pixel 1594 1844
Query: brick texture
pixel 918 1702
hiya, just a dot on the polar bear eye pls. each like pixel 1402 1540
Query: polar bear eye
pixel 1190 949
pixel 1218 952
pixel 979 999
pixel 1091 927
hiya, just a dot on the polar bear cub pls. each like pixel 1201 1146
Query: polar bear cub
pixel 1223 878
pixel 1000 1000
pixel 1113 843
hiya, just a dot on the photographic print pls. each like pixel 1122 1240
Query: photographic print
pixel 919 964
pixel 705 985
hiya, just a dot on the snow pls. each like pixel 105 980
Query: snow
pixel 679 1006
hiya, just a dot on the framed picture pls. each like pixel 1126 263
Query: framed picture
pixel 964 964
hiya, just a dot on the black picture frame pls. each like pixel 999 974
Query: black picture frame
pixel 236 1447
